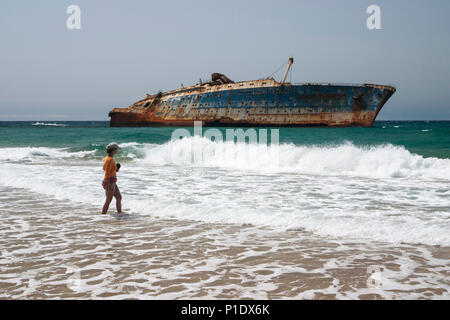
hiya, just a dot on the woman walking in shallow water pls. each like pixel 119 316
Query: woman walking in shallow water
pixel 110 179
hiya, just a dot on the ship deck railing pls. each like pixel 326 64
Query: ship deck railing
pixel 346 84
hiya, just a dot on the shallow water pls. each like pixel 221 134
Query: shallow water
pixel 55 250
pixel 362 214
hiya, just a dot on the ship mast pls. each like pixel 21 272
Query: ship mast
pixel 291 61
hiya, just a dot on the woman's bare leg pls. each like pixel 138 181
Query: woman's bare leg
pixel 110 189
pixel 118 197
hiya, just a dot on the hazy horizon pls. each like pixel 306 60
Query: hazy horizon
pixel 127 49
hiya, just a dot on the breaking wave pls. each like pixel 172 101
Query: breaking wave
pixel 48 124
pixel 40 154
pixel 383 161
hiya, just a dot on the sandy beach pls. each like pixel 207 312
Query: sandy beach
pixel 55 250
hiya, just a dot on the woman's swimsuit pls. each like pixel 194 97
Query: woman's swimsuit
pixel 109 165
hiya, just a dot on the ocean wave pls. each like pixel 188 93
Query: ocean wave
pixel 323 189
pixel 382 161
pixel 48 124
pixel 347 159
pixel 40 153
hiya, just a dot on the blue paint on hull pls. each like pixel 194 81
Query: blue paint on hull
pixel 317 97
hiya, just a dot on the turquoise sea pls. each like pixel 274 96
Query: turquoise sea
pixel 426 138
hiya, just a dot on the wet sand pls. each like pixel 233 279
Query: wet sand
pixel 53 249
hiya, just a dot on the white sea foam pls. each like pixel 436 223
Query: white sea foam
pixel 40 154
pixel 49 124
pixel 141 258
pixel 384 161
pixel 381 193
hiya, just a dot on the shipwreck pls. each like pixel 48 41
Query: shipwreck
pixel 264 102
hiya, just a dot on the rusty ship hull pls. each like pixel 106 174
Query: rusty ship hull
pixel 258 103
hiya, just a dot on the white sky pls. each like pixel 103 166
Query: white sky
pixel 128 48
